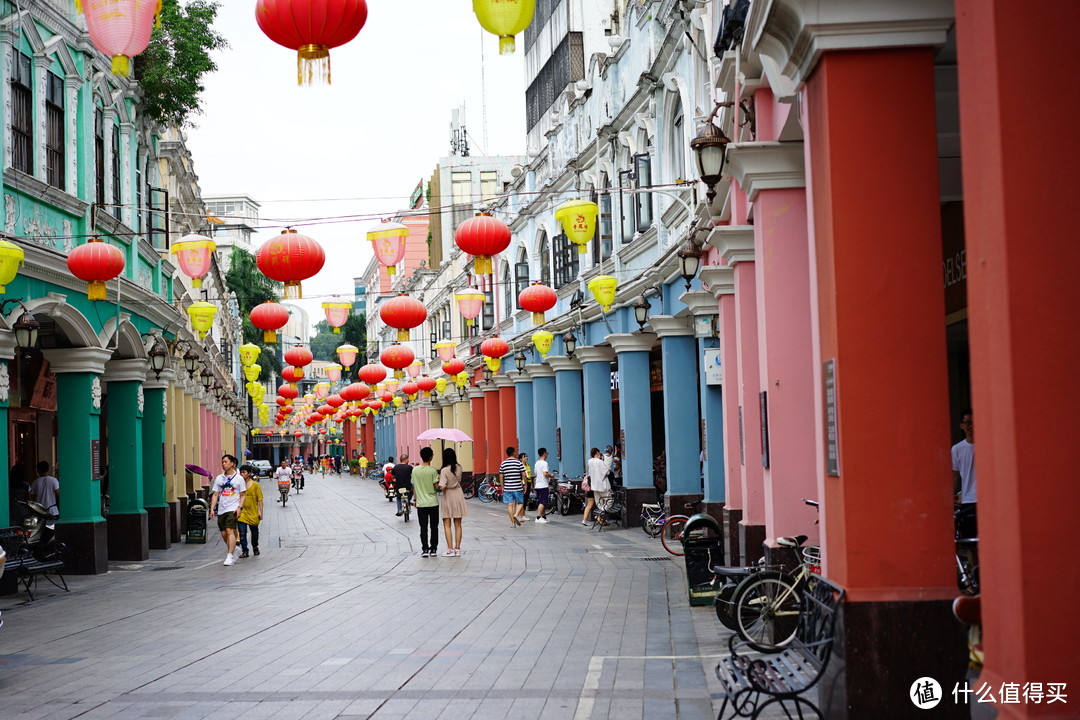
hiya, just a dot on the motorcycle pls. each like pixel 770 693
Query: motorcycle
pixel 283 487
pixel 39 527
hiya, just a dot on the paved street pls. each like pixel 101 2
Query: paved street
pixel 341 618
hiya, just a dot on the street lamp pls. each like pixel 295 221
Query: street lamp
pixel 641 311
pixel 519 361
pixel 709 146
pixel 570 342
pixel 206 378
pixel 26 330
pixel 159 356
pixel 689 261
pixel 191 360
pixel 487 373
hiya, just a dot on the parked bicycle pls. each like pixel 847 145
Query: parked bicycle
pixel 671 533
pixel 490 489
pixel 768 603
pixel 652 518
pixel 967 558
pixel 468 486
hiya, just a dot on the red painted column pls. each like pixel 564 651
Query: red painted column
pixel 508 415
pixel 493 428
pixel 880 315
pixel 479 428
pixel 1023 300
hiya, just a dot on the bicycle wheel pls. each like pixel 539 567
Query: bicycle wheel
pixel 725 606
pixel 406 508
pixel 469 489
pixel 486 493
pixel 672 534
pixel 650 524
pixel 563 504
pixel 767 607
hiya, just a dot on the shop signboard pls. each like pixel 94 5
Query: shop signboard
pixel 713 367
pixel 832 446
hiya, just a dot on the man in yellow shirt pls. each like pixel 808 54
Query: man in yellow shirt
pixel 252 512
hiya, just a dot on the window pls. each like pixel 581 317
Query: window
pixel 99 156
pixel 508 289
pixel 678 145
pixel 601 247
pixel 566 260
pixel 487 316
pixel 140 225
pixel 54 133
pixel 521 274
pixel 545 259
pixel 489 185
pixel 461 188
pixel 116 170
pixel 643 210
pixel 22 114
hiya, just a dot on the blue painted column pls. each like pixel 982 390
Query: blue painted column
pixel 526 422
pixel 543 379
pixel 635 419
pixel 569 413
pixel 7 354
pixel 682 421
pixel 712 414
pixel 125 401
pixel 596 379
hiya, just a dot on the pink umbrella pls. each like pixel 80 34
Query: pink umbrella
pixel 444 434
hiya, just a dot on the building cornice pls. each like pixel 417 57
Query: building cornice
pixel 718 279
pixel 7 345
pixel 561 363
pixel 699 302
pixel 539 371
pixel 670 326
pixel 521 377
pixel 502 381
pixel 760 166
pixel 17 180
pixel 77 360
pixel 631 342
pixel 735 242
pixel 126 370
pixel 594 353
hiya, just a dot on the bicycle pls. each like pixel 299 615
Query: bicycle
pixel 671 531
pixel 652 518
pixel 490 489
pixel 468 487
pixel 768 602
pixel 406 502
pixel 561 492
pixel 967 557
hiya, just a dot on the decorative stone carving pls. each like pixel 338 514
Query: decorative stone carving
pixel 142 400
pixel 95 393
pixel 5 382
pixel 165 404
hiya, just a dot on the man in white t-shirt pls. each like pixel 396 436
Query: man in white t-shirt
pixel 46 489
pixel 963 465
pixel 226 500
pixel 542 483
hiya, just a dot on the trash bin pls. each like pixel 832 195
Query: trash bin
pixel 196 521
pixel 704 547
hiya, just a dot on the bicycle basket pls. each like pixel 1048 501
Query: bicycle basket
pixel 812 556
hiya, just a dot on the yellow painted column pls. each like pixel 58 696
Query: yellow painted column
pixel 435 420
pixel 463 422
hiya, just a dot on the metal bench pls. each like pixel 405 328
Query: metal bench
pixel 26 568
pixel 754 681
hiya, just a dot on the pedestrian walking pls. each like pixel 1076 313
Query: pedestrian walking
pixel 964 483
pixel 402 474
pixel 426 501
pixel 45 489
pixel 524 458
pixel 452 505
pixel 513 484
pixel 363 466
pixel 598 468
pixel 542 483
pixel 226 499
pixel 251 512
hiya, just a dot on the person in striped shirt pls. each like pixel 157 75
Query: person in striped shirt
pixel 513 483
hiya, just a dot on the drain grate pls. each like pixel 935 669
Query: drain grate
pixel 655 559
pixel 168 567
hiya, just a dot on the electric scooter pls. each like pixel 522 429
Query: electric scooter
pixel 39 526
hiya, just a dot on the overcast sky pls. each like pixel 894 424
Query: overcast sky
pixel 367 138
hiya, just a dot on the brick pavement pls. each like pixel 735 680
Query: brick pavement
pixel 341 618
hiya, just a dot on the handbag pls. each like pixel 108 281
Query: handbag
pixel 585 484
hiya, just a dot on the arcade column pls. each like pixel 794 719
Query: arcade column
pixel 435 420
pixel 78 414
pixel 7 354
pixel 124 399
pixel 463 422
pixel 682 429
pixel 632 353
pixel 596 385
pixel 493 427
pixel 569 414
pixel 508 414
pixel 479 431
pixel 544 415
pixel 523 412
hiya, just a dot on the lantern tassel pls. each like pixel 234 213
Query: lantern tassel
pixel 403 336
pixel 293 291
pixel 337 331
pixel 582 248
pixel 506 44
pixel 196 282
pixel 391 270
pixel 95 290
pixel 538 318
pixel 78 7
pixel 313 65
pixel 269 336
pixel 121 66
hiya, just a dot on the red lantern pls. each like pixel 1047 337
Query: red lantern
pixel 397 357
pixel 376 405
pixel 335 401
pixel 269 317
pixel 282 402
pixel 325 410
pixel 453 367
pixel 298 356
pixel 96 262
pixel 290 258
pixel 482 236
pixel 386 397
pixel 298 434
pixel 315 417
pixel 292 374
pixel 312 28
pixel 120 28
pixel 403 313
pixel 537 299
pixel 372 374
pixel 426 384
pixel 288 391
pixel 410 388
pixel 493 349
pixel 286 410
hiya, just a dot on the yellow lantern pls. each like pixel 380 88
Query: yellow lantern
pixel 505 18
pixel 249 353
pixel 602 288
pixel 251 372
pixel 440 385
pixel 202 317
pixel 398 400
pixel 542 340
pixel 493 363
pixel 264 414
pixel 578 218
pixel 251 387
pixel 254 431
pixel 11 258
pixel 461 378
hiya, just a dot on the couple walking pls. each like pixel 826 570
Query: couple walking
pixel 429 506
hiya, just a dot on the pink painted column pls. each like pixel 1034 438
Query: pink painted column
pixel 772 175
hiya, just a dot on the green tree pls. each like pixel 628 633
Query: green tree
pixel 253 288
pixel 326 341
pixel 171 69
